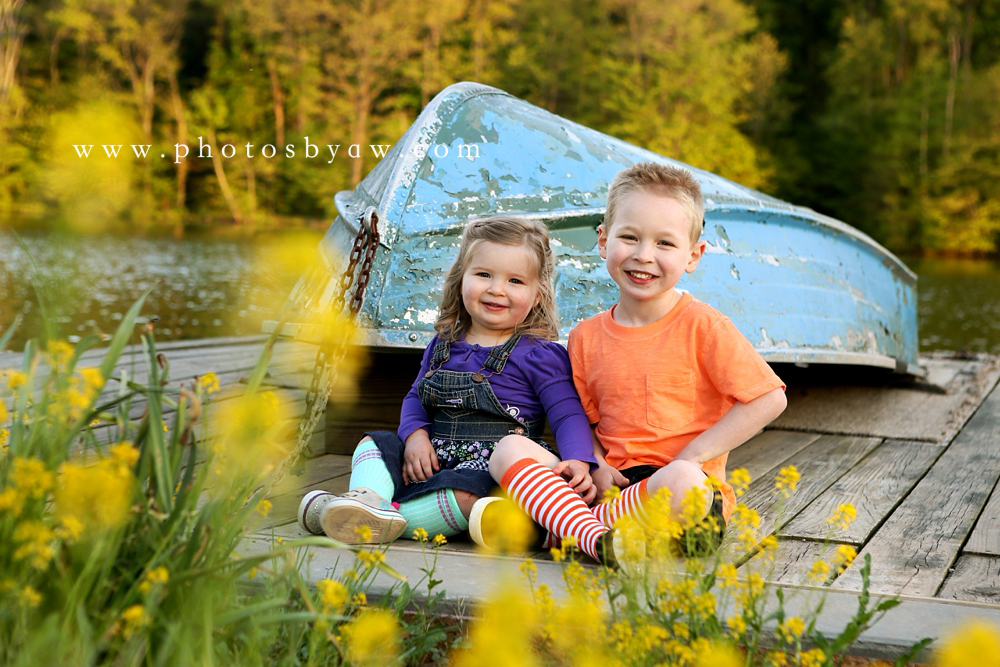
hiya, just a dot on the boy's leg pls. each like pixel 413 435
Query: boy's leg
pixel 678 476
pixel 525 473
pixel 439 513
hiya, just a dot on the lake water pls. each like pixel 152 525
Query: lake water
pixel 208 287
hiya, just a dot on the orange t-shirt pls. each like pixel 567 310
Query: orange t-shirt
pixel 652 389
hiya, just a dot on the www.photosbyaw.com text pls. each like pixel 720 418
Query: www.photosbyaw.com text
pixel 308 150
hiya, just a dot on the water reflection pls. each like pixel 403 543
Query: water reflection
pixel 204 286
pixel 210 287
pixel 959 304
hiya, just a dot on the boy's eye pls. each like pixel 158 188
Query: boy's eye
pixel 627 237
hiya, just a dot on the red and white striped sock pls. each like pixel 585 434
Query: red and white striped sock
pixel 553 503
pixel 630 501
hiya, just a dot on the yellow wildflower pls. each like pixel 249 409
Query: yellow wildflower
pixel 842 518
pixel 611 494
pixel 787 480
pixel 820 572
pixel 557 554
pixel 59 353
pixel 529 570
pixel 35 543
pixel 737 626
pixel 420 534
pixel 135 619
pixel 440 540
pixel 844 556
pixel 91 377
pixel 30 597
pixel 373 638
pixel 359 600
pixel 718 654
pixel 726 576
pixel 125 454
pixel 158 575
pixel 4 437
pixel 16 379
pixel 252 574
pixel 209 383
pixel 3 412
pixel 791 629
pixel 976 643
pixel 371 559
pixel 503 636
pixel 777 658
pixel 10 500
pixel 739 479
pixel 694 506
pixel 812 658
pixel 333 595
pixel 264 507
pixel 364 533
pixel 32 478
pixel 97 496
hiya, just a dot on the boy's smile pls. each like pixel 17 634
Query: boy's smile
pixel 647 250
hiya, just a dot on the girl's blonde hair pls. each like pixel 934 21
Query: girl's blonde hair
pixel 542 320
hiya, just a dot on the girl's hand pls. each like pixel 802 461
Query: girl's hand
pixel 577 475
pixel 420 461
pixel 605 477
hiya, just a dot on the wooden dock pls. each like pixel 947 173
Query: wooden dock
pixel 919 460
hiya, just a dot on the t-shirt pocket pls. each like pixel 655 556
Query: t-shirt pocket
pixel 670 400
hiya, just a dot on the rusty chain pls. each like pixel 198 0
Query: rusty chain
pixel 330 353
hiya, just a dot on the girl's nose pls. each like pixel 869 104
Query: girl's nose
pixel 496 287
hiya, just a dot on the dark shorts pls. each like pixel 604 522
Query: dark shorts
pixel 698 540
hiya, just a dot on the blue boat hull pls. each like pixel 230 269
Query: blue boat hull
pixel 802 287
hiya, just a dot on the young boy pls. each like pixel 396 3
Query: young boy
pixel 669 384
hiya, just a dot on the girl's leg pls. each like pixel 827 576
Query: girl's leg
pixel 362 515
pixel 369 470
pixel 524 470
pixel 439 513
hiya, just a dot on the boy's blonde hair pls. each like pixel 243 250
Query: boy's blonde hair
pixel 662 180
pixel 542 320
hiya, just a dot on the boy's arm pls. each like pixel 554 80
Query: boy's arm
pixel 736 427
pixel 606 475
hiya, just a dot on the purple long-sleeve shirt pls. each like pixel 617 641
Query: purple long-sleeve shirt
pixel 536 382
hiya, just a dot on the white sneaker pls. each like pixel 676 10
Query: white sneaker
pixel 343 516
pixel 310 508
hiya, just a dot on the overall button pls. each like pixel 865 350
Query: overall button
pixel 518 430
pixel 477 377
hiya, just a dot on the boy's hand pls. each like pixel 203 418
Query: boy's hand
pixel 420 461
pixel 577 475
pixel 605 477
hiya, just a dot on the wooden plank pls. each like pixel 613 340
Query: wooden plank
pixel 285 505
pixel 768 450
pixel 975 578
pixel 875 487
pixel 912 551
pixel 320 469
pixel 985 538
pixel 820 465
pixel 793 562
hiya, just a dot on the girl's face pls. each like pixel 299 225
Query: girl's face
pixel 499 289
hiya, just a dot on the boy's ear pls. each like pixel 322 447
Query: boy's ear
pixel 602 241
pixel 697 252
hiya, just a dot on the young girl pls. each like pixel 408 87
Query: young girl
pixel 492 370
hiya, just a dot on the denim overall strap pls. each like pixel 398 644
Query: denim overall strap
pixel 442 352
pixel 463 406
pixel 499 355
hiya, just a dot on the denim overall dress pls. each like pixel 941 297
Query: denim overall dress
pixel 468 421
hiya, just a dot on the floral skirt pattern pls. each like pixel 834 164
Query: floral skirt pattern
pixel 458 455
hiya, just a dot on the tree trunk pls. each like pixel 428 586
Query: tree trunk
pixel 954 54
pixel 182 133
pixel 220 174
pixel 11 39
pixel 278 97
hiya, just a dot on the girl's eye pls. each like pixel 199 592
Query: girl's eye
pixel 482 274
pixel 516 281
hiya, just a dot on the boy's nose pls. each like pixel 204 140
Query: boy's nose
pixel 643 252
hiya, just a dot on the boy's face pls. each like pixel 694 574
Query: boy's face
pixel 648 249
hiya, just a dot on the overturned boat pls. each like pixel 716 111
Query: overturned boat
pixel 802 287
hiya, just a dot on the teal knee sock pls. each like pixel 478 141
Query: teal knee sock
pixel 368 469
pixel 438 513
